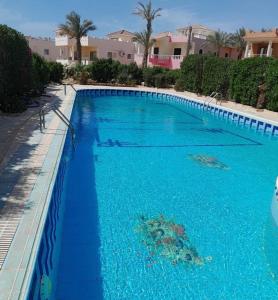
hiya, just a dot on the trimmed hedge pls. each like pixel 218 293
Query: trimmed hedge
pixel 271 80
pixel 245 78
pixel 15 69
pixel 191 77
pixel 216 75
pixel 236 80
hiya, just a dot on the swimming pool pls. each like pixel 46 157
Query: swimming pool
pixel 143 166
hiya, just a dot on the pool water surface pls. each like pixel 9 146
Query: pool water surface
pixel 141 158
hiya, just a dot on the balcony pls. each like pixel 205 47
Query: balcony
pixel 166 61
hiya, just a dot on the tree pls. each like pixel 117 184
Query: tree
pixel 76 29
pixel 218 40
pixel 238 41
pixel 148 14
pixel 15 69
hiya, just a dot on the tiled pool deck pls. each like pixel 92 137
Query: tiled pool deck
pixel 26 182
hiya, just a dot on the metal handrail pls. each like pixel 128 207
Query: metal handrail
pixel 65 87
pixel 213 96
pixel 53 107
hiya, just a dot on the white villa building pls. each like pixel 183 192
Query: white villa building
pixel 45 47
pixel 92 47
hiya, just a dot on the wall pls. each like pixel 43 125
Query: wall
pixel 39 45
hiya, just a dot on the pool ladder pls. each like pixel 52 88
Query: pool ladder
pixel 53 107
pixel 213 96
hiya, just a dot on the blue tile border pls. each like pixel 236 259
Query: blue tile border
pixel 248 121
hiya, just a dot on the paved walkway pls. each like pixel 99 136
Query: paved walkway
pixel 22 151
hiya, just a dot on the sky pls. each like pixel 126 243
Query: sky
pixel 40 18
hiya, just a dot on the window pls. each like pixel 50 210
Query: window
pixel 46 51
pixel 155 50
pixel 177 51
pixel 109 54
pixel 226 54
pixel 129 56
pixel 201 51
pixel 93 55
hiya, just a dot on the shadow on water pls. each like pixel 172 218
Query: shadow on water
pixel 79 271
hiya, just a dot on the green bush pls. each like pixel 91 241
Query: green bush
pixel 56 72
pixel 172 76
pixel 161 80
pixel 15 69
pixel 216 75
pixel 180 86
pixel 40 73
pixel 130 74
pixel 149 75
pixel 245 77
pixel 271 83
pixel 104 70
pixel 192 73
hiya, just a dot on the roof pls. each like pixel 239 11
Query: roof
pixel 258 36
pixel 121 32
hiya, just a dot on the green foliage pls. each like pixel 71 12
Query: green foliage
pixel 245 78
pixel 216 75
pixel 192 73
pixel 161 80
pixel 271 80
pixel 40 73
pixel 130 74
pixel 15 69
pixel 149 75
pixel 173 76
pixel 179 86
pixel 104 70
pixel 56 72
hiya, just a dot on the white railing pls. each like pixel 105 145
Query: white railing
pixel 165 56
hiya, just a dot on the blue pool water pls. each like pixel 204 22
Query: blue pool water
pixel 134 157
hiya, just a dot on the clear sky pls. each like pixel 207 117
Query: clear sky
pixel 40 18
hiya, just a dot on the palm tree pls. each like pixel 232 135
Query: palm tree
pixel 219 40
pixel 76 30
pixel 238 40
pixel 149 14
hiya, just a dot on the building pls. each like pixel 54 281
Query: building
pixel 169 49
pixel 261 43
pixel 45 47
pixel 121 36
pixel 92 48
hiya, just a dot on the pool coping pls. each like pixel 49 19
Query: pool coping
pixel 26 261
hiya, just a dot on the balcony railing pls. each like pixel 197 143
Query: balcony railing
pixel 166 61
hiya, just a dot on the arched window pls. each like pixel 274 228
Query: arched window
pixel 226 54
pixel 201 51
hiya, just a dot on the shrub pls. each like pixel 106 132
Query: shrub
pixel 216 75
pixel 173 76
pixel 192 73
pixel 161 80
pixel 130 74
pixel 179 86
pixel 271 80
pixel 246 76
pixel 149 75
pixel 56 72
pixel 40 73
pixel 104 70
pixel 15 69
